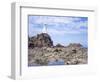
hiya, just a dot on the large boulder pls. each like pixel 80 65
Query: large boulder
pixel 41 40
pixel 76 45
pixel 59 45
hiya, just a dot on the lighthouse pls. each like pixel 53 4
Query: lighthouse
pixel 44 30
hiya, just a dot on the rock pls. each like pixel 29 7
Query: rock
pixel 42 52
pixel 57 50
pixel 74 46
pixel 59 45
pixel 41 40
pixel 74 50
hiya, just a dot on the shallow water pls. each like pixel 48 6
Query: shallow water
pixel 58 62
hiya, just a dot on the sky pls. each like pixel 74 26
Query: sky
pixel 62 29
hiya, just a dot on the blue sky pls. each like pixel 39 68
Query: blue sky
pixel 62 29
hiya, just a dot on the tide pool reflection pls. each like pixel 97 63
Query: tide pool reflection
pixel 57 62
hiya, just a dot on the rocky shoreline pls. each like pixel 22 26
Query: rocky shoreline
pixel 41 52
pixel 50 56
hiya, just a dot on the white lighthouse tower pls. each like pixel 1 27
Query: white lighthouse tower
pixel 44 30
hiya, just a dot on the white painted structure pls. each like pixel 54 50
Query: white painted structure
pixel 44 30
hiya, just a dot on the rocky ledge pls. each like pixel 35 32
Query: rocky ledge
pixel 42 52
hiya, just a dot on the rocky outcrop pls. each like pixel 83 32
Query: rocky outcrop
pixel 59 45
pixel 41 40
pixel 41 51
pixel 73 54
pixel 74 45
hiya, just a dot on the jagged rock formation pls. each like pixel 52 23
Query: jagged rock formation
pixel 41 40
pixel 42 52
pixel 57 56
pixel 59 45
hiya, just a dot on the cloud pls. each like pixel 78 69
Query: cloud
pixel 52 19
pixel 71 28
pixel 33 30
pixel 58 25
